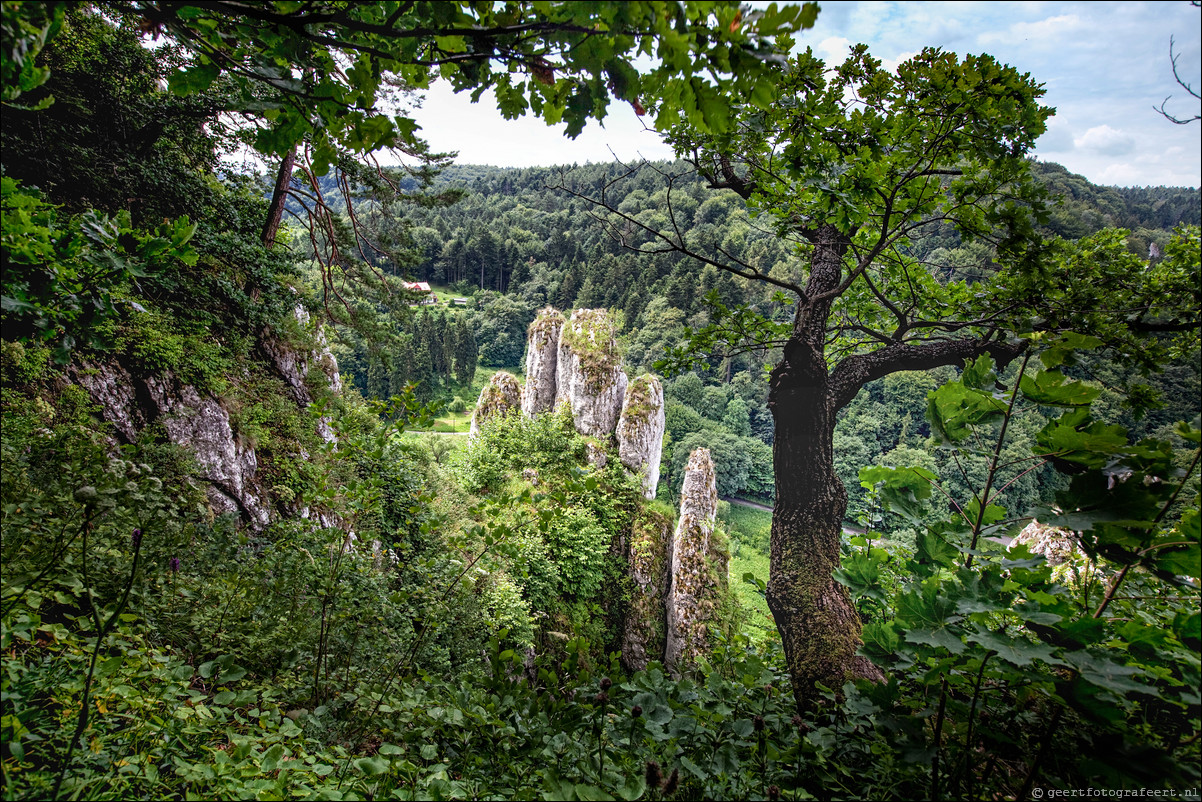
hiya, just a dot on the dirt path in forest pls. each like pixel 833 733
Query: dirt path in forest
pixel 744 503
pixel 848 530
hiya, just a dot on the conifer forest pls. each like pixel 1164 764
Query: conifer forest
pixel 851 454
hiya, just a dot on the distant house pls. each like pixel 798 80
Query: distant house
pixel 423 287
pixel 459 302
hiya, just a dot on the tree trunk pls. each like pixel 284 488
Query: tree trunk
pixel 275 212
pixel 818 624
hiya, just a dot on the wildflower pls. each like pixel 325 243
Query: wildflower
pixel 636 711
pixel 606 683
pixel 672 783
pixel 653 774
pixel 135 539
pixel 758 723
pixel 174 565
pixel 773 792
pixel 601 698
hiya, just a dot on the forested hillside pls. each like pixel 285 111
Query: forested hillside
pixel 517 242
pixel 278 522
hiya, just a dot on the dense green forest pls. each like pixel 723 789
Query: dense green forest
pixel 515 243
pixel 242 558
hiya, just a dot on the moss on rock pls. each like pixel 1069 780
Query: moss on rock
pixel 692 600
pixel 640 430
pixel 644 629
pixel 542 362
pixel 589 372
pixel 590 336
pixel 501 396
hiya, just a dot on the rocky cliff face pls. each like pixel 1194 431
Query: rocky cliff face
pixel 1070 564
pixel 641 430
pixel 295 367
pixel 192 420
pixel 589 372
pixel 690 597
pixel 649 560
pixel 501 396
pixel 542 360
pixel 198 421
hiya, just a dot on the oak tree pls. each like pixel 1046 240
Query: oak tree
pixel 851 164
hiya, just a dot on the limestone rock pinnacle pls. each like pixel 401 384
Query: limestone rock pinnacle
pixel 641 430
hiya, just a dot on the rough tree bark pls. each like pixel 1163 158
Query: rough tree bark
pixel 279 196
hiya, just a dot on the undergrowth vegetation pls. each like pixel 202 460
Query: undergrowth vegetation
pixel 427 616
pixel 468 651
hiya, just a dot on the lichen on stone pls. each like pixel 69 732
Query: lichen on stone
pixel 542 361
pixel 589 372
pixel 692 598
pixel 1070 565
pixel 643 630
pixel 591 337
pixel 640 430
pixel 501 396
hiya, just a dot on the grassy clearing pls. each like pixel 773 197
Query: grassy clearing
pixel 749 561
pixel 449 422
pixel 749 526
pixel 452 423
pixel 749 529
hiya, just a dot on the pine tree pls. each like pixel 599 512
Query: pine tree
pixel 466 352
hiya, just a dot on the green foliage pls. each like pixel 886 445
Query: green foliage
pixel 1148 312
pixel 26 31
pixel 61 282
pixel 571 74
pixel 558 544
pixel 963 614
pixel 501 329
pixel 421 624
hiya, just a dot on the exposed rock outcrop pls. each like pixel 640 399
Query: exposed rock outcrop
pixel 577 363
pixel 690 603
pixel 199 424
pixel 542 360
pixel 596 456
pixel 113 389
pixel 641 430
pixel 589 372
pixel 650 558
pixel 1070 564
pixel 1056 544
pixel 199 421
pixel 294 366
pixel 501 396
pixel 190 419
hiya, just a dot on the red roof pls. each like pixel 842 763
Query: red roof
pixel 420 286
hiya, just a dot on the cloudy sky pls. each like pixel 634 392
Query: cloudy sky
pixel 1104 65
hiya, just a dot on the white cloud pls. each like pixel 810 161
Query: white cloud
pixel 1057 139
pixel 481 136
pixel 891 64
pixel 832 49
pixel 1050 30
pixel 1106 140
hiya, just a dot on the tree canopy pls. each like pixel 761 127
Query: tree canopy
pixel 323 71
pixel 850 165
